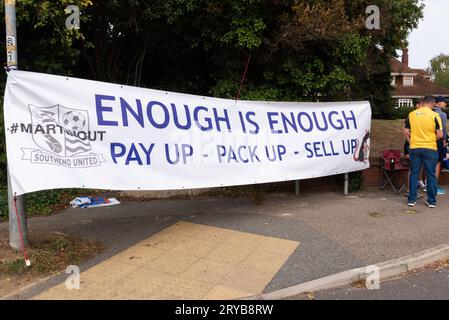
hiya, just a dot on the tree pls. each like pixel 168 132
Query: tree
pixel 301 49
pixel 398 19
pixel 44 45
pixel 439 69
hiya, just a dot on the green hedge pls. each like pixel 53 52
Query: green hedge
pixel 43 202
pixel 356 180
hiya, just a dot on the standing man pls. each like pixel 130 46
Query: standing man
pixel 423 128
pixel 441 104
pixel 419 104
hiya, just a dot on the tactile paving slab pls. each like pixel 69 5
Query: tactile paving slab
pixel 184 261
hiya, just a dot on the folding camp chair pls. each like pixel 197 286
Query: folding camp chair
pixel 391 166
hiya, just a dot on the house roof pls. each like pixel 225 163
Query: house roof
pixel 422 85
pixel 399 67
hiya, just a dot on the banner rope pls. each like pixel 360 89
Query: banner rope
pixel 22 242
pixel 243 77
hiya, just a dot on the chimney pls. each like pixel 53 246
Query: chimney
pixel 405 57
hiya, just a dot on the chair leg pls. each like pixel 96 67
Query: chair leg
pixel 383 183
pixel 402 188
pixel 389 181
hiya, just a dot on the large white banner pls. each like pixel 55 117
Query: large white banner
pixel 65 132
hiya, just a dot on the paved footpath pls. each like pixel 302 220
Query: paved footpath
pixel 317 235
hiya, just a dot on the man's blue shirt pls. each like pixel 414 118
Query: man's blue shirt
pixel 443 117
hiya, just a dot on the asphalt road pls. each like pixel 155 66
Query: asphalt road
pixel 427 285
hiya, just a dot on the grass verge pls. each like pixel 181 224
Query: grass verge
pixel 49 255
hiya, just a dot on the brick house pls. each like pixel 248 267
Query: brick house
pixel 411 84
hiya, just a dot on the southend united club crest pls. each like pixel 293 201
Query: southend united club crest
pixel 63 137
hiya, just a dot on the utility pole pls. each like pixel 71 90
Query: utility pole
pixel 19 202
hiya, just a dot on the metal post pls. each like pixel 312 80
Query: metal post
pixel 346 185
pixel 297 190
pixel 12 63
pixel 11 34
pixel 14 233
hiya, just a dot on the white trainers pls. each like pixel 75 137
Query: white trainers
pixel 421 184
pixel 432 206
pixel 412 204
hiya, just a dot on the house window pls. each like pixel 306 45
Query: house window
pixel 407 103
pixel 408 80
pixel 393 81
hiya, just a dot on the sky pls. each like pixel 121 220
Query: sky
pixel 432 36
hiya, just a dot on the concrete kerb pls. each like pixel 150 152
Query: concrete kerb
pixel 18 294
pixel 387 269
